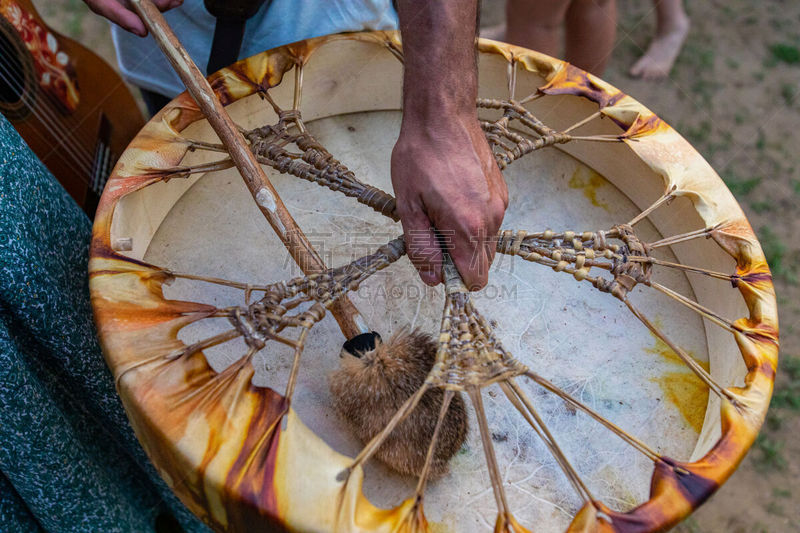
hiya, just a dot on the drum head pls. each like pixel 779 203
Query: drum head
pixel 684 397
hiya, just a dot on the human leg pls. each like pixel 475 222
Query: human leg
pixel 591 27
pixel 671 29
pixel 535 23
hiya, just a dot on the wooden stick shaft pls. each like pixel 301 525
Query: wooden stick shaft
pixel 265 195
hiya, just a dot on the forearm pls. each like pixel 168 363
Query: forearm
pixel 440 76
pixel 443 171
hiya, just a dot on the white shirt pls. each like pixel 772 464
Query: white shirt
pixel 276 23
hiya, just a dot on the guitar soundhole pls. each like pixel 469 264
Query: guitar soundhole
pixel 17 74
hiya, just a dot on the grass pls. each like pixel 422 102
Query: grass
pixel 785 53
pixel 778 492
pixel 789 93
pixel 774 421
pixel 761 140
pixel 776 509
pixel 768 453
pixel 776 252
pixel 761 206
pixel 787 395
pixel 750 20
pixel 739 186
pixel 700 133
pixel 689 525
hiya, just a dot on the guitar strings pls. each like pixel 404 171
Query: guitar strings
pixel 46 114
pixel 46 109
pixel 46 117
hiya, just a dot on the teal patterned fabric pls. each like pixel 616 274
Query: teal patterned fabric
pixel 68 458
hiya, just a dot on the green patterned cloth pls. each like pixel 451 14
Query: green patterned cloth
pixel 69 461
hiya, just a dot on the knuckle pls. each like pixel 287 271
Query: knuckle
pixel 408 213
pixel 476 284
pixel 504 198
pixel 473 225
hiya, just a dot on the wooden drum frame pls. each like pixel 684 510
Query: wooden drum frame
pixel 235 449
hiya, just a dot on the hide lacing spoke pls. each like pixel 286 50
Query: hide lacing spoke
pixel 423 478
pixel 308 322
pixel 584 121
pixel 298 87
pixel 666 198
pixel 733 278
pixel 203 344
pixel 697 308
pixel 683 237
pixel 520 401
pixel 184 171
pixel 218 281
pixel 202 145
pixel 512 78
pixel 216 384
pixel 531 97
pixel 627 437
pixel 693 365
pixel 474 394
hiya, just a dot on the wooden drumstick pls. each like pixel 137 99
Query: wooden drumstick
pixel 351 322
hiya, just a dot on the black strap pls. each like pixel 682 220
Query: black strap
pixel 227 43
pixel 232 17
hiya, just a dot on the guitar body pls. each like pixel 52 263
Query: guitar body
pixel 69 105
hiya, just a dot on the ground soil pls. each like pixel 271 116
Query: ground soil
pixel 735 94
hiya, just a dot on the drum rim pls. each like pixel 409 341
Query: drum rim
pixel 673 496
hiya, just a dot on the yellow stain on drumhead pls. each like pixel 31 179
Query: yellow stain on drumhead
pixel 590 181
pixel 682 387
pixel 688 394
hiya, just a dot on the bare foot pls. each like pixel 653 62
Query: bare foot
pixel 495 33
pixel 657 61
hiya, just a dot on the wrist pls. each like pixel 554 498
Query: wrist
pixel 436 106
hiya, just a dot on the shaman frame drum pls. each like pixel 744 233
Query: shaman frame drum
pixel 234 448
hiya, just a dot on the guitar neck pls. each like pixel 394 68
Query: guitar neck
pixel 71 108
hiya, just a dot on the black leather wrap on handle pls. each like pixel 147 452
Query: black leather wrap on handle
pixel 231 17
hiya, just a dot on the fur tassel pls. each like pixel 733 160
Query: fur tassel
pixel 369 388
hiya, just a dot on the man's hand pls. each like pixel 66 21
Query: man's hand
pixel 443 172
pixel 120 13
pixel 446 179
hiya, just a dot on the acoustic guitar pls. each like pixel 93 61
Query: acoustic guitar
pixel 70 106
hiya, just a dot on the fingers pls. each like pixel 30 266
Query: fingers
pixel 472 262
pixel 459 199
pixel 474 242
pixel 165 5
pixel 124 16
pixel 422 246
pixel 119 15
pixel 469 234
pixel 472 252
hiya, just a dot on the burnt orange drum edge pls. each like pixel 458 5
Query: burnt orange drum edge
pixel 134 319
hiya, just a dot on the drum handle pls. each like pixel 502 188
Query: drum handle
pixel 351 322
pixel 452 279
